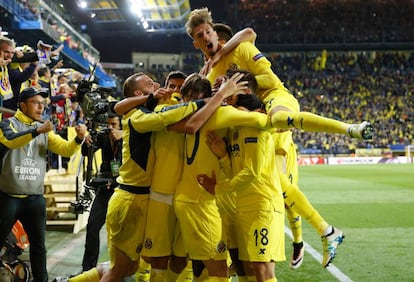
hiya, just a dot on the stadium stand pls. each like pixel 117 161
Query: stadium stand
pixel 325 21
pixel 352 86
pixel 31 21
pixel 365 72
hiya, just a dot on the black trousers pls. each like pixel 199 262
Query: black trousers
pixel 95 222
pixel 31 211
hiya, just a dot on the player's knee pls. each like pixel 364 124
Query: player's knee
pixel 177 264
pixel 133 268
pixel 265 270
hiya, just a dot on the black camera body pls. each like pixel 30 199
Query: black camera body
pixel 93 101
pixel 103 131
pixel 95 105
pixel 99 183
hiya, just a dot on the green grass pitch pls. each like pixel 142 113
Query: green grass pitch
pixel 374 206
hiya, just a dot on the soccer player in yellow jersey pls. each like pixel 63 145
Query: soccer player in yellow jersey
pixel 230 87
pixel 161 229
pixel 281 106
pixel 136 173
pixel 246 56
pixel 287 167
pixel 195 208
pixel 127 209
pixel 259 220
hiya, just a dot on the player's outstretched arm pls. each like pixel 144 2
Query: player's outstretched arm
pixel 232 86
pixel 244 35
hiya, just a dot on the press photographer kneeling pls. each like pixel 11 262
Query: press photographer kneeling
pixel 109 141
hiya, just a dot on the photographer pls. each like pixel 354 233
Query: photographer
pixel 110 143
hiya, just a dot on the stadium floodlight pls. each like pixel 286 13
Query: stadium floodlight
pixel 136 10
pixel 161 17
pixel 83 4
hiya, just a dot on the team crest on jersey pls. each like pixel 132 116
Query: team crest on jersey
pixel 148 243
pixel 233 67
pixel 258 56
pixel 221 247
pixel 5 85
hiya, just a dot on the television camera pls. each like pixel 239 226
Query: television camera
pixel 95 105
pixel 94 102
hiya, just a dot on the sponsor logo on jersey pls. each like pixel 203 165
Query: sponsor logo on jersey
pixel 258 56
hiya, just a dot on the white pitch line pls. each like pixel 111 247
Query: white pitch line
pixel 317 256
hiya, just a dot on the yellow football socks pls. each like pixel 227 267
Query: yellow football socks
pixel 218 279
pixel 308 122
pixel 144 271
pixel 295 224
pixel 91 275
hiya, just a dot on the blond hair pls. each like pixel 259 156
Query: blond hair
pixel 130 85
pixel 7 41
pixel 198 17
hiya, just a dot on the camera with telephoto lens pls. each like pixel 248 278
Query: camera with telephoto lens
pixel 94 101
pixel 95 105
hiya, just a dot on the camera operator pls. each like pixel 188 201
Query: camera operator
pixel 110 143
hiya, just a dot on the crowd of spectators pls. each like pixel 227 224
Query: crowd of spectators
pixel 31 10
pixel 374 86
pixel 324 21
pixel 350 86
